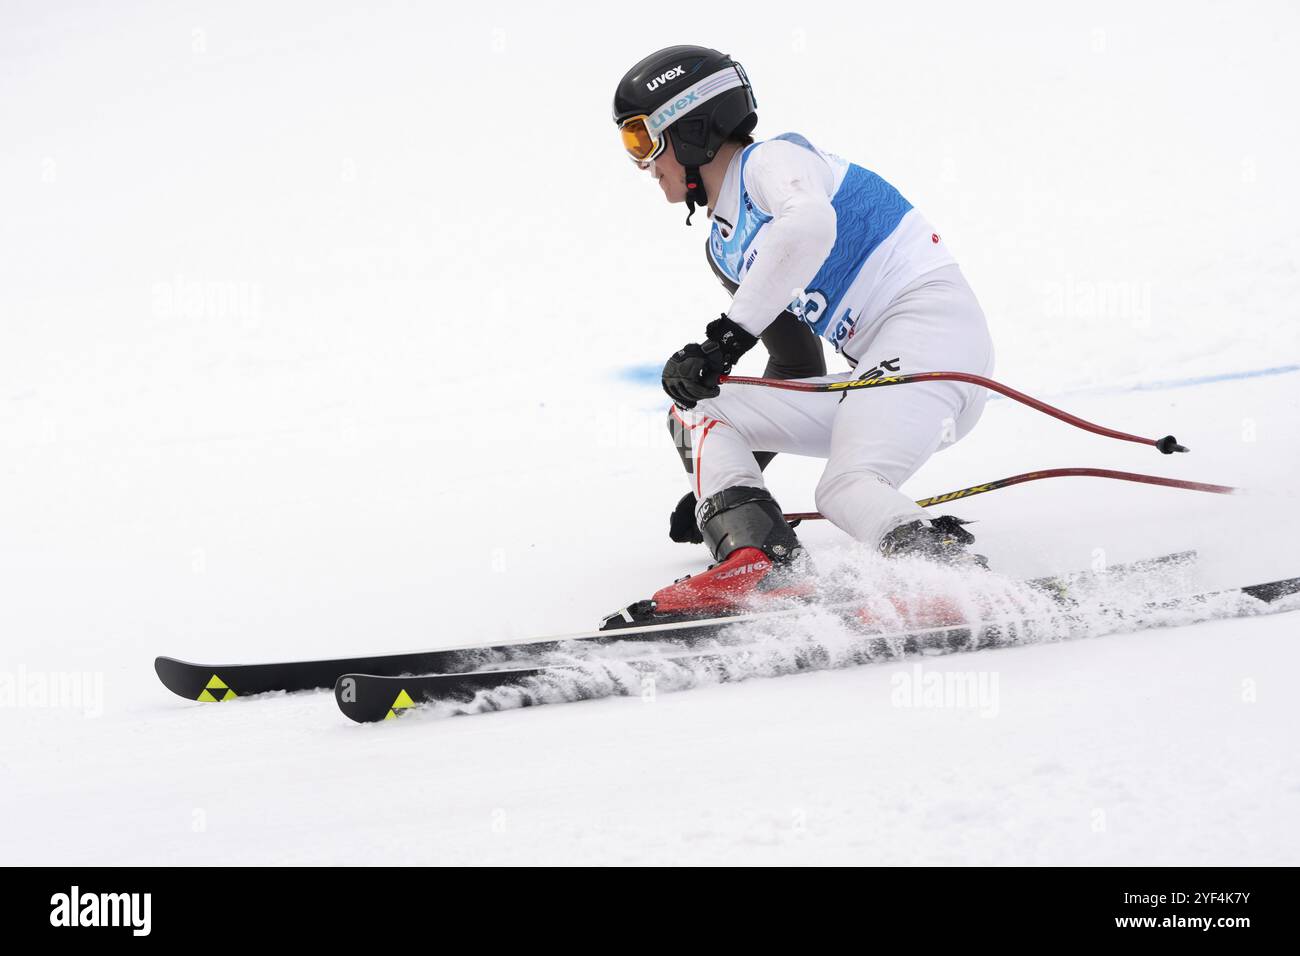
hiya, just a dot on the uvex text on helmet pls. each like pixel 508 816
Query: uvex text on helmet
pixel 701 95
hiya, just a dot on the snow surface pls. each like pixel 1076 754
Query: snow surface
pixel 315 323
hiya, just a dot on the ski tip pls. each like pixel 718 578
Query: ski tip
pixel 171 672
pixel 193 682
pixel 365 699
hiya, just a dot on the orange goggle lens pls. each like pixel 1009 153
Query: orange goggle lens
pixel 638 142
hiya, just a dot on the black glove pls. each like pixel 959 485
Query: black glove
pixel 681 523
pixel 691 374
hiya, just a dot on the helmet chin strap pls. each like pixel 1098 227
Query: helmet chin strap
pixel 695 194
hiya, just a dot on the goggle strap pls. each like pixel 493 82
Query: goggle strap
pixel 712 85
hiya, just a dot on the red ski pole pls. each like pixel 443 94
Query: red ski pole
pixel 1051 473
pixel 1167 445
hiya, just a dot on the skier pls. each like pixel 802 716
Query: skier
pixel 800 232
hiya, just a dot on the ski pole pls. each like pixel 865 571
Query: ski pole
pixel 1051 473
pixel 1167 445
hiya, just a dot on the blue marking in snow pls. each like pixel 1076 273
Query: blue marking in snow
pixel 1172 383
pixel 1210 379
pixel 642 374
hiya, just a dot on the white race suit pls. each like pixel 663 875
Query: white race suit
pixel 800 229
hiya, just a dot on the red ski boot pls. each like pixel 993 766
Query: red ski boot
pixel 734 585
pixel 758 557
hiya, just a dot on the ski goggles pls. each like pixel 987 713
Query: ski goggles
pixel 643 135
pixel 641 146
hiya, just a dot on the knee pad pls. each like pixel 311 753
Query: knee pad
pixel 681 439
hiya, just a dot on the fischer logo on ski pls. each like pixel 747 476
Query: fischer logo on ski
pixel 399 706
pixel 212 691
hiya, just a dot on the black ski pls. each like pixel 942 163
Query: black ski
pixel 222 682
pixel 367 698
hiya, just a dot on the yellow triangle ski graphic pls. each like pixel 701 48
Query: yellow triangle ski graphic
pixel 402 702
pixel 216 684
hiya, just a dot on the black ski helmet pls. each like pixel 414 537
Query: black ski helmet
pixel 703 95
